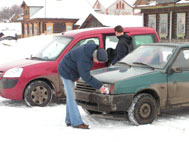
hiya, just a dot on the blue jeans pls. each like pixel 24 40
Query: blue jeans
pixel 72 112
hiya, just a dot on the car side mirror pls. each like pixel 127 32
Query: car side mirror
pixel 175 70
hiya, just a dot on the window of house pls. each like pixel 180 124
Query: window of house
pixel 98 6
pixel 163 26
pixel 68 27
pixel 49 29
pixel 31 31
pixel 123 6
pixel 181 20
pixel 35 30
pixel 152 21
pixel 26 31
pixel 26 12
pixel 87 40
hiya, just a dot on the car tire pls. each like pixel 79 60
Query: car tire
pixel 143 109
pixel 90 112
pixel 38 93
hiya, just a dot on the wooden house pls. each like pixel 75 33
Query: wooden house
pixel 114 7
pixel 48 17
pixel 170 18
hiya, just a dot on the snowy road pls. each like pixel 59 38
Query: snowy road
pixel 21 123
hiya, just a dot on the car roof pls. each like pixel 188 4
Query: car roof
pixel 172 44
pixel 106 30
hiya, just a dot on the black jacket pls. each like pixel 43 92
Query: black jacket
pixel 78 63
pixel 122 48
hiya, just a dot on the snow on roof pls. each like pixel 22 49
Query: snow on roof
pixel 72 9
pixel 114 20
pixel 35 2
pixel 153 3
pixel 91 2
pixel 130 2
pixel 107 3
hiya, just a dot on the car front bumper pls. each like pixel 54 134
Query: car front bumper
pixel 103 102
pixel 10 89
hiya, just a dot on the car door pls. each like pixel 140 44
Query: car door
pixel 97 39
pixel 178 80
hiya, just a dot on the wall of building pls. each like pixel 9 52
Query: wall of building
pixel 179 30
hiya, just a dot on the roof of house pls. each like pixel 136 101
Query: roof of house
pixel 108 3
pixel 131 2
pixel 166 1
pixel 154 2
pixel 63 9
pixel 113 20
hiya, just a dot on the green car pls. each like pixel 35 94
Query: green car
pixel 152 78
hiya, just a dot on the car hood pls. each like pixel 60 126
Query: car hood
pixel 118 73
pixel 19 63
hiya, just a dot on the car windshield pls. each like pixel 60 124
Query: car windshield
pixel 52 50
pixel 155 57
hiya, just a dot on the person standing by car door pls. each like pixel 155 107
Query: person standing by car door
pixel 78 63
pixel 122 48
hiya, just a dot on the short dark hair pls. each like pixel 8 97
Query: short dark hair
pixel 118 29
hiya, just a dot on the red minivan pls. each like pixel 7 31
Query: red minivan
pixel 36 81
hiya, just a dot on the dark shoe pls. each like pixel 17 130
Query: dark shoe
pixel 82 126
pixel 68 124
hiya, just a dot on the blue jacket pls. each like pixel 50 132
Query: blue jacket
pixel 122 48
pixel 78 63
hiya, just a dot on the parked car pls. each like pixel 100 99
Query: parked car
pixel 152 78
pixel 35 80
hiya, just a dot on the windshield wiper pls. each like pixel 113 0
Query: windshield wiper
pixel 124 63
pixel 35 58
pixel 141 63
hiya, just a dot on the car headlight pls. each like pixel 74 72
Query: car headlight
pixel 108 88
pixel 14 72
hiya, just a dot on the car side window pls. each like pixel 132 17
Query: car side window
pixel 87 40
pixel 143 39
pixel 182 60
pixel 110 41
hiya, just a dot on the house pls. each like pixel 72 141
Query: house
pixel 115 7
pixel 102 20
pixel 51 16
pixel 170 18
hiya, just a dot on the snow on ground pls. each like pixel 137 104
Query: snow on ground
pixel 46 124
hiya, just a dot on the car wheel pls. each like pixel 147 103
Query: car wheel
pixel 38 93
pixel 143 109
pixel 90 112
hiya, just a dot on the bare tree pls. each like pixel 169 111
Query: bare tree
pixel 6 13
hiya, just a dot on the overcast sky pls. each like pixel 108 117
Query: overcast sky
pixel 9 3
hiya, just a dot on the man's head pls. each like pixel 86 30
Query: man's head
pixel 100 55
pixel 118 30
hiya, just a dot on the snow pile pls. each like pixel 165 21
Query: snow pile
pixel 10 29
